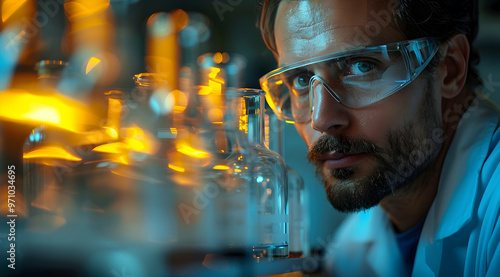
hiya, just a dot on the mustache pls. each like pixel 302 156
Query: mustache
pixel 326 143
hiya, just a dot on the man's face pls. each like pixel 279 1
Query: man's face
pixel 367 153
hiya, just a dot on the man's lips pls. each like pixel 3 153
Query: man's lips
pixel 335 160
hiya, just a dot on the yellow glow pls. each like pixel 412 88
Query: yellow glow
pixel 123 160
pixel 290 121
pixel 279 82
pixel 205 90
pixel 173 130
pixel 176 168
pixel 49 114
pixel 113 120
pixel 243 123
pixel 215 82
pixel 266 129
pixel 135 145
pixel 217 57
pixel 215 115
pixel 111 132
pixel 216 88
pixel 9 7
pixel 112 148
pixel 93 62
pixel 162 47
pixel 42 108
pixel 180 101
pixel 237 170
pixel 221 167
pixel 192 152
pixel 213 72
pixel 139 140
pixel 55 152
pixel 78 9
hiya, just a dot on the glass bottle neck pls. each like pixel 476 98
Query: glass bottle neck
pixel 255 129
pixel 251 117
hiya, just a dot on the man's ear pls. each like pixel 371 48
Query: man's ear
pixel 452 69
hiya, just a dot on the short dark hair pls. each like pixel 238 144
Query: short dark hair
pixel 414 18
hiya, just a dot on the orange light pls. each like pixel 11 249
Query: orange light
pixel 225 57
pixel 216 88
pixel 215 82
pixel 176 168
pixel 111 148
pixel 215 115
pixel 9 7
pixel 213 72
pixel 221 167
pixel 141 141
pixel 162 49
pixel 180 19
pixel 181 101
pixel 55 152
pixel 78 9
pixel 56 110
pixel 204 90
pixel 192 152
pixel 217 58
pixel 93 62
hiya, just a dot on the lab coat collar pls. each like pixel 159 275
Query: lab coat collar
pixel 462 165
pixel 372 235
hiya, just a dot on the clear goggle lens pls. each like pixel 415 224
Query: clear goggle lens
pixel 355 78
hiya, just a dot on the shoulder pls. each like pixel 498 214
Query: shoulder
pixel 491 168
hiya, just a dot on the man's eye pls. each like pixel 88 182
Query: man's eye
pixel 361 67
pixel 301 82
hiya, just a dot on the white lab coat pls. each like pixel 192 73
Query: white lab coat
pixel 461 233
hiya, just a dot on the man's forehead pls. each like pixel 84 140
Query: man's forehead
pixel 343 13
pixel 305 29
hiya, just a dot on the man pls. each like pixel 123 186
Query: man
pixel 385 94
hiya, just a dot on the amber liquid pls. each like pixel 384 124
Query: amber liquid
pixel 298 254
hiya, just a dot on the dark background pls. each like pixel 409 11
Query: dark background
pixel 233 30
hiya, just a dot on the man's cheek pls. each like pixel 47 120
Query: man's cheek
pixel 308 134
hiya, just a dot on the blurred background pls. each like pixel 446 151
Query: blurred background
pixel 64 30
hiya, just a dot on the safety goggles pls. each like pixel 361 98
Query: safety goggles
pixel 356 78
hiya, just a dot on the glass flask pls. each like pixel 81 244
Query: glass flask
pixel 211 192
pixel 268 179
pixel 106 188
pixel 56 162
pixel 298 204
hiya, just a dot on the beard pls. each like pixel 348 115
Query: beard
pixel 409 154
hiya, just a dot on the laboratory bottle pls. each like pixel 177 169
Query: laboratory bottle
pixel 268 183
pixel 298 201
pixel 212 191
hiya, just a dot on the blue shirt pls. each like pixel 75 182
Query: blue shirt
pixel 407 243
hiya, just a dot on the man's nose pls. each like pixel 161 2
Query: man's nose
pixel 328 115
